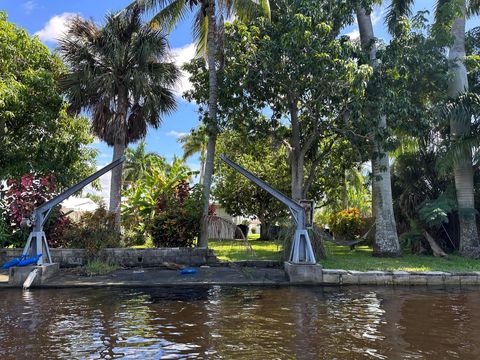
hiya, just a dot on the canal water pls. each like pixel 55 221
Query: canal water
pixel 240 323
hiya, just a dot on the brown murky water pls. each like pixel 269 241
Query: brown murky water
pixel 241 323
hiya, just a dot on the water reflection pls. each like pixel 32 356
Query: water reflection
pixel 240 323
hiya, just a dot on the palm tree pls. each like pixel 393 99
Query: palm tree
pixel 119 73
pixel 386 238
pixel 138 162
pixel 451 15
pixel 208 32
pixel 462 169
pixel 195 142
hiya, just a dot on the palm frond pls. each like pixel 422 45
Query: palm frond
pixel 248 9
pixel 124 54
pixel 200 32
pixel 446 11
pixel 397 10
pixel 459 149
pixel 473 7
pixel 170 15
pixel 463 108
pixel 148 5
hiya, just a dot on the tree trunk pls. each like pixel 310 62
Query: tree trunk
pixel 212 128
pixel 116 184
pixel 296 156
pixel 436 249
pixel 264 227
pixel 297 171
pixel 344 190
pixel 386 238
pixel 202 165
pixel 463 171
pixel 118 151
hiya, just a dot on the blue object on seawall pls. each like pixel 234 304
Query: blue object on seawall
pixel 187 271
pixel 13 262
pixel 29 261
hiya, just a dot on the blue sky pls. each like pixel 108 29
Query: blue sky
pixel 46 18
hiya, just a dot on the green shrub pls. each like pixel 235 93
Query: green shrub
pixel 146 198
pixel 5 232
pixel 135 235
pixel 347 224
pixel 93 232
pixel 177 222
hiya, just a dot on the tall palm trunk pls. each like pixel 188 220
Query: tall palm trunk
pixel 202 165
pixel 463 170
pixel 118 151
pixel 212 129
pixel 116 184
pixel 386 238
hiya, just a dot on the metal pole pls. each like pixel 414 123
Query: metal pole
pixel 301 251
pixel 37 240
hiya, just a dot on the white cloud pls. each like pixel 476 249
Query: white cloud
pixel 181 56
pixel 354 35
pixel 55 27
pixel 176 134
pixel 29 6
pixel 377 14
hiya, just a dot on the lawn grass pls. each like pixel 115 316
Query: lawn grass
pixel 340 257
pixel 361 259
pixel 235 250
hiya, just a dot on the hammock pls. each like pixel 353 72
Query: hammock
pixel 342 242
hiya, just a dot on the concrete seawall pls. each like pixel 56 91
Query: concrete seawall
pixel 127 257
pixel 434 278
pixel 315 275
pixel 242 273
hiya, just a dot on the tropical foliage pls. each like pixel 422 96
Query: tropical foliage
pixel 347 224
pixel 93 232
pixel 208 29
pixel 36 133
pixel 120 73
pixel 147 197
pixel 178 217
pixel 238 195
pixel 366 128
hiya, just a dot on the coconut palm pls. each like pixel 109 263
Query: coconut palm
pixel 120 75
pixel 195 142
pixel 138 161
pixel 208 32
pixel 450 16
pixel 386 238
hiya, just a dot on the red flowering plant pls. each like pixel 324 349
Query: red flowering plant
pixel 212 210
pixel 21 197
pixel 177 219
pixel 347 224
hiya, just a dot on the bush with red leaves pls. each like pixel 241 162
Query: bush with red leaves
pixel 21 197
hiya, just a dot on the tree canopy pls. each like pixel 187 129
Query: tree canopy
pixel 36 132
